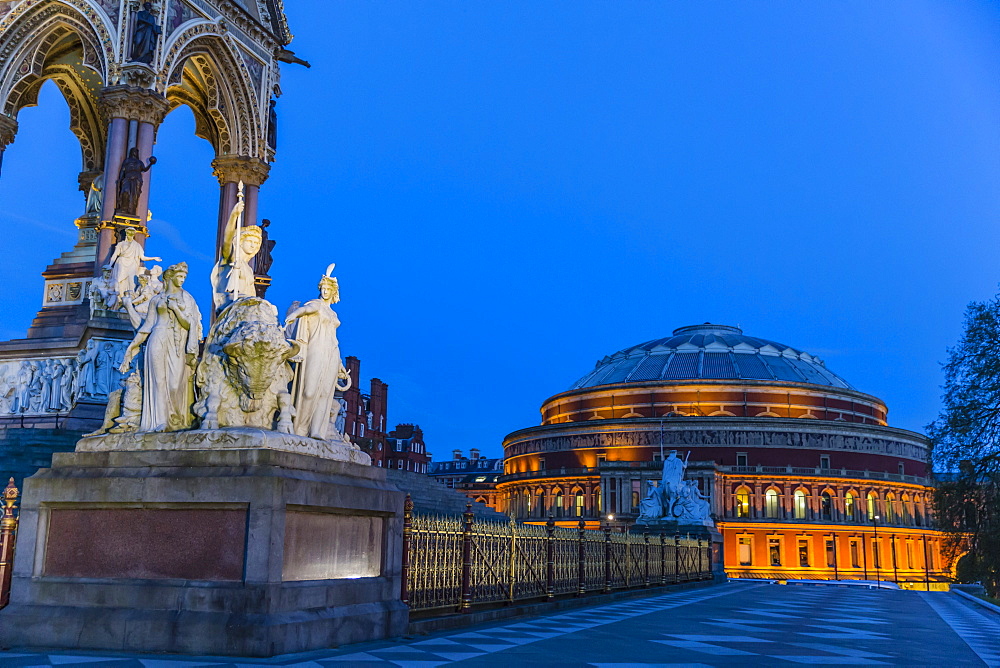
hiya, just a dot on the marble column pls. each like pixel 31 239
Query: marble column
pixel 230 170
pixel 8 129
pixel 122 107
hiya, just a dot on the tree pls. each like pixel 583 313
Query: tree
pixel 966 447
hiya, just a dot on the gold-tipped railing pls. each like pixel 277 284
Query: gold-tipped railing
pixel 458 562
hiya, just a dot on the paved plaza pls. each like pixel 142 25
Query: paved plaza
pixel 733 624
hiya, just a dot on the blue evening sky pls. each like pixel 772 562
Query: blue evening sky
pixel 513 189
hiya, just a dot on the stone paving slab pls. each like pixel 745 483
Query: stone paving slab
pixel 733 624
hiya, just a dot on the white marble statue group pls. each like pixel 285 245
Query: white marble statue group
pixel 124 284
pixel 675 499
pixel 249 371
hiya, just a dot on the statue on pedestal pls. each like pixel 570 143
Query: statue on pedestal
pixel 171 333
pixel 320 369
pixel 130 182
pixel 675 500
pixel 126 261
pixel 232 277
pixel 95 195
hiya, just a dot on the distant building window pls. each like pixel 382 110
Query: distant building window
pixel 824 461
pixel 801 504
pixel 902 469
pixel 480 478
pixel 636 493
pixel 804 552
pixel 601 459
pixel 578 504
pixel 743 502
pixel 558 503
pixel 741 459
pixel 871 506
pixel 746 551
pixel 831 553
pixel 541 463
pixel 855 554
pixel 771 504
pixel 826 506
pixel 876 553
pixel 774 551
pixel 850 507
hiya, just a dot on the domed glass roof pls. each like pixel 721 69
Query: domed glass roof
pixel 710 352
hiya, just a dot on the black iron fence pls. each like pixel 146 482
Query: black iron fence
pixel 457 562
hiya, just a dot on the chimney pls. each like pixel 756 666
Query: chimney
pixel 474 454
pixel 456 455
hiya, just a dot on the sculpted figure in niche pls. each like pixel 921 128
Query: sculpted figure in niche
pixel 144 35
pixel 126 263
pixel 232 277
pixel 321 367
pixel 130 182
pixel 171 333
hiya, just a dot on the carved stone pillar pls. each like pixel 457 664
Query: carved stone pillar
pixel 230 170
pixel 126 108
pixel 8 129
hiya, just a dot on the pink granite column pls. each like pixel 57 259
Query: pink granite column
pixel 230 170
pixel 145 138
pixel 116 149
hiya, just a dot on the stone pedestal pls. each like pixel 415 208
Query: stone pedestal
pixel 247 552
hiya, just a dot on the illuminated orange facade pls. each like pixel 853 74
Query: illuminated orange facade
pixel 805 477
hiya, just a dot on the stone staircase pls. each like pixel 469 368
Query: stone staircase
pixel 431 497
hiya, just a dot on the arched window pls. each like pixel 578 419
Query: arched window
pixel 743 502
pixel 826 506
pixel 872 506
pixel 850 506
pixel 801 506
pixel 890 508
pixel 771 504
pixel 906 509
pixel 578 503
pixel 540 503
pixel 558 502
pixel 918 515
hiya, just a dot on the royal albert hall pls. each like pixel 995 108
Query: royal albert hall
pixel 806 478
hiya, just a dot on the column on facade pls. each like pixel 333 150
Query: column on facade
pixel 230 170
pixel 8 130
pixel 133 115
pixel 758 501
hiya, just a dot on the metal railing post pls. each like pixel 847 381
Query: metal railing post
pixel 581 567
pixel 404 585
pixel 8 533
pixel 607 558
pixel 466 600
pixel 701 560
pixel 677 557
pixel 550 567
pixel 663 558
pixel 645 547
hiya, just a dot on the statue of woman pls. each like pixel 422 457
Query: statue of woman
pixel 95 194
pixel 126 262
pixel 651 507
pixel 171 332
pixel 232 277
pixel 316 377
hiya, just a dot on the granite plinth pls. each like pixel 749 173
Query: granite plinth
pixel 230 438
pixel 245 552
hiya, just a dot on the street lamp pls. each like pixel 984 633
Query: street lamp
pixel 875 553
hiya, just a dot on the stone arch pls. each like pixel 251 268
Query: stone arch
pixel 205 72
pixel 68 43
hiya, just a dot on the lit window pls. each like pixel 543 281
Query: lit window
pixel 771 504
pixel 890 508
pixel 774 551
pixel 578 504
pixel 480 478
pixel 746 551
pixel 804 552
pixel 849 506
pixel 801 505
pixel 742 502
pixel 871 506
pixel 558 502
